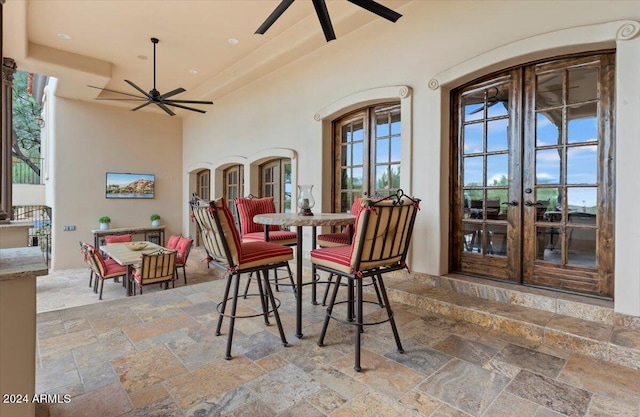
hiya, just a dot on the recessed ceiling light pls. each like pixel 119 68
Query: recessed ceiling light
pixel 142 57
pixel 233 41
pixel 193 71
pixel 64 36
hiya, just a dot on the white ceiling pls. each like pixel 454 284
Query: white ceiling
pixel 108 36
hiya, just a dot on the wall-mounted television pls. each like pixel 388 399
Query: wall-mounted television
pixel 128 185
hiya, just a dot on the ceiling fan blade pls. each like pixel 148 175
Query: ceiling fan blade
pixel 188 101
pixel 137 88
pixel 165 108
pixel 122 99
pixel 172 93
pixel 114 91
pixel 141 106
pixel 169 103
pixel 325 21
pixel 378 9
pixel 277 12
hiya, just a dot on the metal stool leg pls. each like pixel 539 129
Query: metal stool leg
pixel 232 317
pixel 383 290
pixel 223 306
pixel 329 311
pixel 265 275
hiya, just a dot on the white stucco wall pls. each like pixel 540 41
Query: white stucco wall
pixel 433 40
pixel 88 141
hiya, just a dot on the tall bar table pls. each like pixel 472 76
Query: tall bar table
pixel 292 219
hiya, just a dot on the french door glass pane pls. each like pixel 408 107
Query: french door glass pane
pixel 549 89
pixel 497 170
pixel 582 199
pixel 473 138
pixel 382 150
pixel 382 177
pixel 583 84
pixel 474 106
pixel 582 123
pixel 548 128
pixel 548 204
pixel 548 166
pixel 497 239
pixel 497 135
pixel 581 246
pixel 396 149
pixel 472 237
pixel 357 154
pixel 473 171
pixel 382 125
pixel 582 165
pixel 549 244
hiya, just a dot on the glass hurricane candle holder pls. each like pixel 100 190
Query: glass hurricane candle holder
pixel 305 200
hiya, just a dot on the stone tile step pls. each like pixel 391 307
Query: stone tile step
pixel 537 315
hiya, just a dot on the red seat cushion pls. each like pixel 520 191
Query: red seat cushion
pixel 117 238
pixel 281 237
pixel 337 257
pixel 172 243
pixel 263 253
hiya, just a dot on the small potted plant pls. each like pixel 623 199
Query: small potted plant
pixel 155 220
pixel 104 222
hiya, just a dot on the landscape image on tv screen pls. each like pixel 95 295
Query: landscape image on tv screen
pixel 127 185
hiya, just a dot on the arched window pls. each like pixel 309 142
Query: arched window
pixel 367 148
pixel 275 181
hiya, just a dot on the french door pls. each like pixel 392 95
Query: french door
pixel 533 171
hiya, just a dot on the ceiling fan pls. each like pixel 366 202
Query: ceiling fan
pixel 323 15
pixel 154 96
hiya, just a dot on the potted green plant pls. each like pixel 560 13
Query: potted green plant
pixel 155 220
pixel 104 222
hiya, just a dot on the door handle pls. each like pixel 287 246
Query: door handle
pixel 511 203
pixel 531 203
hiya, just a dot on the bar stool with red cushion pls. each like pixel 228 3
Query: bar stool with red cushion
pixel 380 244
pixel 182 253
pixel 222 242
pixel 105 270
pixel 254 232
pixel 340 239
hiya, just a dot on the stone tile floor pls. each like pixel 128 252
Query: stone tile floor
pixel 157 355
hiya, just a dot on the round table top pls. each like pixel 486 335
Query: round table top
pixel 294 219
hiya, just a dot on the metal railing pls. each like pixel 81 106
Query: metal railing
pixel 40 233
pixel 27 172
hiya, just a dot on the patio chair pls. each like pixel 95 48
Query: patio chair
pixel 222 242
pixel 103 269
pixel 86 254
pixel 154 268
pixel 382 235
pixel 252 232
pixel 183 248
pixel 328 240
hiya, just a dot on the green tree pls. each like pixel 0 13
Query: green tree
pixel 26 132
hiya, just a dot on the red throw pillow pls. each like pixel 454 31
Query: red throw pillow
pixel 117 238
pixel 249 207
pixel 183 246
pixel 172 243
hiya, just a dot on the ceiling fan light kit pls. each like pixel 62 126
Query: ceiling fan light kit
pixel 154 96
pixel 323 15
